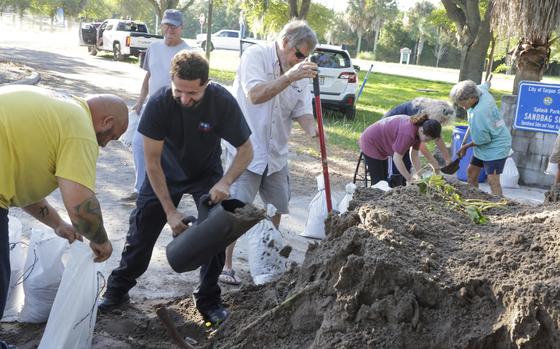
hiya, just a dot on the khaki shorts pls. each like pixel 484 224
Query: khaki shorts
pixel 555 155
pixel 273 189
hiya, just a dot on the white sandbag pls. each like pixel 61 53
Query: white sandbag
pixel 43 272
pixel 510 175
pixel 74 311
pixel 551 169
pixel 264 243
pixel 128 135
pixel 315 225
pixel 382 185
pixel 350 188
pixel 18 248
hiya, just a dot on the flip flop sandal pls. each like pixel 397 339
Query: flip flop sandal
pixel 228 277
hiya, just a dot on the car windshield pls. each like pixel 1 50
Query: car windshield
pixel 331 59
pixel 132 27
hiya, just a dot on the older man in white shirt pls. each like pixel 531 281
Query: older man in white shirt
pixel 272 89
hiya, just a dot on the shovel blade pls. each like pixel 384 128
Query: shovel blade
pixel 452 167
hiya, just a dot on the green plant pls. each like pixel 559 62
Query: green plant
pixel 436 186
pixel 502 68
pixel 366 55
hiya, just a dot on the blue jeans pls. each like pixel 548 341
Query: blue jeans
pixel 138 157
pixel 4 264
pixel 146 222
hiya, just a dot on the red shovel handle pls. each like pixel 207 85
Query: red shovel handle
pixel 319 114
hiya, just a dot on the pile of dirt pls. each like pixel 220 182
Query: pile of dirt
pixel 399 270
pixel 553 195
pixel 402 270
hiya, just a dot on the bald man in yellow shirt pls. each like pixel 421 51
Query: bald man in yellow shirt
pixel 50 140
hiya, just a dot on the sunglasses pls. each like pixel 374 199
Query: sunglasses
pixel 299 55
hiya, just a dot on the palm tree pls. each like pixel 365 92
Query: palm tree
pixel 358 19
pixel 418 25
pixel 533 22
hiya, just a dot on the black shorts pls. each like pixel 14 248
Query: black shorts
pixel 491 166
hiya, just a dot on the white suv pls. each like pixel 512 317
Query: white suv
pixel 337 79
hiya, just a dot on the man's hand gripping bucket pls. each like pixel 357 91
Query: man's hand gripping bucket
pixel 217 226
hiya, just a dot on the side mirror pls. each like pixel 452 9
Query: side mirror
pixel 356 68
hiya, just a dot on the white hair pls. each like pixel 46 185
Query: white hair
pixel 436 109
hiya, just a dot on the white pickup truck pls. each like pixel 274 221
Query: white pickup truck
pixel 122 37
pixel 224 39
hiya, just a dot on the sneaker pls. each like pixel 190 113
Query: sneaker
pixel 215 316
pixel 131 197
pixel 108 303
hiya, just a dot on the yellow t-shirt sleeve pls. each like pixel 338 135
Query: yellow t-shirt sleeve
pixel 76 161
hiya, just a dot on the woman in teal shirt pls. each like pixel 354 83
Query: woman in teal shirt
pixel 490 137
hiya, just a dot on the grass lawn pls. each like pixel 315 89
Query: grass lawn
pixel 381 93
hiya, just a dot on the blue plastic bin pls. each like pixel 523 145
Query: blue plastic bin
pixel 458 134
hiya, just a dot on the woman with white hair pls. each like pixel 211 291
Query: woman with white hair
pixel 437 110
pixel 490 136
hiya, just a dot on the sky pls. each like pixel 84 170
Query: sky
pixel 340 5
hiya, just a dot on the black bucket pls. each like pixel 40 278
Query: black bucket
pixel 217 226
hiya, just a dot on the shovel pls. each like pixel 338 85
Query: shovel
pixel 454 165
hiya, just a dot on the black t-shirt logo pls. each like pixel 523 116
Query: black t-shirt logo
pixel 204 127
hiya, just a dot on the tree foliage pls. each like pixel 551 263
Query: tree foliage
pixel 266 18
pixel 533 23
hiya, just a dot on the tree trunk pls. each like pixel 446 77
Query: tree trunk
pixel 415 51
pixel 359 45
pixel 300 13
pixel 293 8
pixel 490 58
pixel 531 61
pixel 474 35
pixel 473 54
pixel 438 50
pixel 420 49
pixel 305 4
pixel 375 41
pixel 209 30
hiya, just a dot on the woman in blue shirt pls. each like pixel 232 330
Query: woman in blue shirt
pixel 490 136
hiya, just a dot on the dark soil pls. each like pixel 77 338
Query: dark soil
pixel 399 270
pixel 404 271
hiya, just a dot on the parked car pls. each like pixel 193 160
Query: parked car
pixel 337 79
pixel 122 37
pixel 224 39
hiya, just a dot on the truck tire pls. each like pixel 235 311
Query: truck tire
pixel 349 112
pixel 92 50
pixel 117 55
pixel 203 45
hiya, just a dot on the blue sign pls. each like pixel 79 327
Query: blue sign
pixel 538 107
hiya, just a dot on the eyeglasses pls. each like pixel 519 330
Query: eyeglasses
pixel 299 55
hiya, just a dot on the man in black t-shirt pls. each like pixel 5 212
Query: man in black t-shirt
pixel 182 126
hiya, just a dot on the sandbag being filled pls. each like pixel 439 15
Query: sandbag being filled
pixel 18 248
pixel 42 275
pixel 74 311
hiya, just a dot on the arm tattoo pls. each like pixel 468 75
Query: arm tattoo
pixel 44 211
pixel 89 221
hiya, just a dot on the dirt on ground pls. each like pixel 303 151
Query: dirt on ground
pixel 12 71
pixel 399 270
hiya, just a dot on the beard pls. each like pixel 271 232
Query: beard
pixel 101 136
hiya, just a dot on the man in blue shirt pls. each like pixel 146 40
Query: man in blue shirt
pixel 490 137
